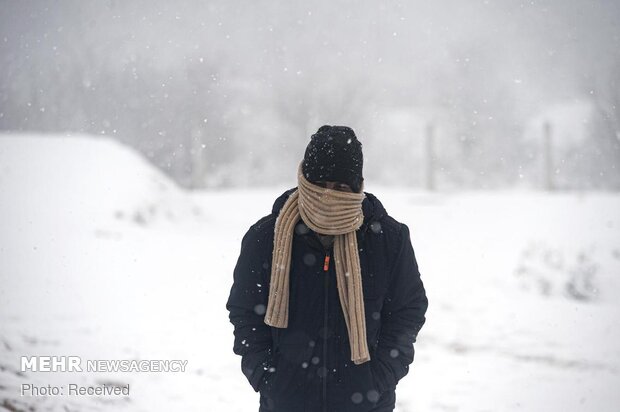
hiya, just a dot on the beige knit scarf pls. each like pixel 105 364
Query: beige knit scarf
pixel 329 212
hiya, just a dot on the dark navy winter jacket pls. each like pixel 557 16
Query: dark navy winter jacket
pixel 307 366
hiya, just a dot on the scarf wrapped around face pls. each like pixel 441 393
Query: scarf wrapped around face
pixel 328 212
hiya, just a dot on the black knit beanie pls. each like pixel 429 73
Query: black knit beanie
pixel 334 154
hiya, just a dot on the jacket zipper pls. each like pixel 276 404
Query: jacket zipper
pixel 318 245
pixel 325 318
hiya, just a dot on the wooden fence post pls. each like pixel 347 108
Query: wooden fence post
pixel 547 153
pixel 430 157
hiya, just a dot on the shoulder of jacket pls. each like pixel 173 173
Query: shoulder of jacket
pixel 258 235
pixel 264 224
pixel 397 235
pixel 392 227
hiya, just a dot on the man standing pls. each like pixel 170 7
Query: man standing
pixel 327 299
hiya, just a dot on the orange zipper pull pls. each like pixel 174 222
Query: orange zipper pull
pixel 326 263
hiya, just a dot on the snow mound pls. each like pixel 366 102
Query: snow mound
pixel 80 178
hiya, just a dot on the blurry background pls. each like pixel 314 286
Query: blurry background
pixel 139 140
pixel 220 93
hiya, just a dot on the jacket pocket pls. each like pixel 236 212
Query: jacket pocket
pixel 286 386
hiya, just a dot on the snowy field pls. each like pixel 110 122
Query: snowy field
pixel 102 256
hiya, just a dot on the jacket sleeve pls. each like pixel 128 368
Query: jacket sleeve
pixel 247 304
pixel 403 315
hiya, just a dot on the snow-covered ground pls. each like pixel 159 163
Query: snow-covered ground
pixel 101 256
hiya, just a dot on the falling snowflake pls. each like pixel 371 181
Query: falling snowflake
pixel 260 309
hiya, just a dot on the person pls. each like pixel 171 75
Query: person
pixel 327 299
